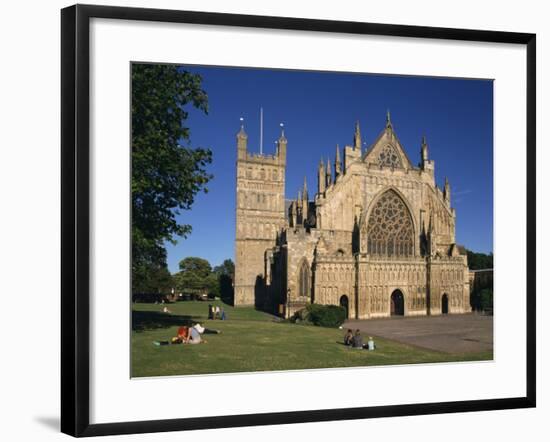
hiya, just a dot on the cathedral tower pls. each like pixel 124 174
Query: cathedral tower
pixel 260 214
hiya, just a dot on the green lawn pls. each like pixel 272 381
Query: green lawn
pixel 255 341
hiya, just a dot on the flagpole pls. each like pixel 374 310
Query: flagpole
pixel 261 130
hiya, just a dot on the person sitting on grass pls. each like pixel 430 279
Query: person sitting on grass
pixel 370 344
pixel 166 310
pixel 357 340
pixel 181 337
pixel 348 337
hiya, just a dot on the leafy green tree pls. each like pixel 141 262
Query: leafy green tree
pixel 225 268
pixel 226 275
pixel 159 280
pixel 479 261
pixel 166 172
pixel 213 285
pixel 194 275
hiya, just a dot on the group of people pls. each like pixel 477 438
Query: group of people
pixel 192 334
pixel 189 335
pixel 214 312
pixel 186 335
pixel 355 340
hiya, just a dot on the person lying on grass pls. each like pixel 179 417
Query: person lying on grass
pixel 188 335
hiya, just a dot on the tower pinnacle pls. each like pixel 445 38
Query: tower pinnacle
pixel 282 130
pixel 425 163
pixel 281 145
pixel 337 163
pixel 447 191
pixel 321 177
pixel 242 133
pixel 357 137
pixel 242 141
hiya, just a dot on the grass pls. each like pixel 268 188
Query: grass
pixel 255 341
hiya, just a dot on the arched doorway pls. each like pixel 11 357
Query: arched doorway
pixel 344 302
pixel 445 304
pixel 397 303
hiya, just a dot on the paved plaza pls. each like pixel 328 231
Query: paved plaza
pixel 447 333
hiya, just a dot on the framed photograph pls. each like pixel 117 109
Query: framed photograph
pixel 271 220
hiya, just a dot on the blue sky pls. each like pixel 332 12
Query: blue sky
pixel 319 110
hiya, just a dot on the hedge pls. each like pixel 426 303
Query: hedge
pixel 321 315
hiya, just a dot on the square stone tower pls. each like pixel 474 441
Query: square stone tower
pixel 260 215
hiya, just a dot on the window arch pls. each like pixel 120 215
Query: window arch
pixel 304 279
pixel 390 227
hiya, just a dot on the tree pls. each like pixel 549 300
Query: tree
pixel 213 285
pixel 166 172
pixel 159 280
pixel 479 261
pixel 486 299
pixel 226 275
pixel 194 275
pixel 225 268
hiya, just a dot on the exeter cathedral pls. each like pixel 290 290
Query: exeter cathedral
pixel 377 237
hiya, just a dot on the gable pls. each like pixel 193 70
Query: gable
pixel 387 151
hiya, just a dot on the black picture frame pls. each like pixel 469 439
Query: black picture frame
pixel 75 212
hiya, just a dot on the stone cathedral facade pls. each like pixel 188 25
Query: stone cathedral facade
pixel 377 237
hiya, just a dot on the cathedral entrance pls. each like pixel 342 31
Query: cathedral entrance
pixel 344 302
pixel 445 304
pixel 397 304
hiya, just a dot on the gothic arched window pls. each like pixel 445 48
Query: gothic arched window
pixel 389 157
pixel 303 280
pixel 390 227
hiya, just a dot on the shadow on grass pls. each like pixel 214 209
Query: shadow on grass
pixel 146 320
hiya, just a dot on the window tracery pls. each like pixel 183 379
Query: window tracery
pixel 390 227
pixel 303 280
pixel 389 157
